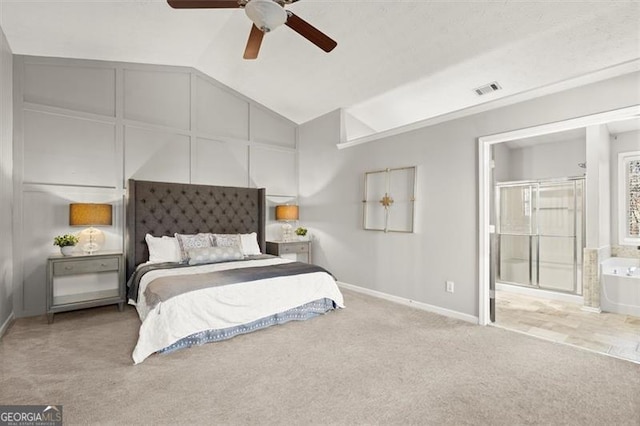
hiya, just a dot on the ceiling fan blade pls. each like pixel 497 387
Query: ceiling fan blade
pixel 253 44
pixel 310 32
pixel 203 4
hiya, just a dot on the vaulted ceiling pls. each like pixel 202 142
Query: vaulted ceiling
pixel 396 62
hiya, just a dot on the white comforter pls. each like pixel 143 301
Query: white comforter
pixel 224 306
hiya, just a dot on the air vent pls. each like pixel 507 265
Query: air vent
pixel 488 88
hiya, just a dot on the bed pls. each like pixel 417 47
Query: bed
pixel 197 272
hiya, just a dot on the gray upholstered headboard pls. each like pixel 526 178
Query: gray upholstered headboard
pixel 160 208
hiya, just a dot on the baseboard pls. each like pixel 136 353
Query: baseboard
pixel 7 323
pixel 412 303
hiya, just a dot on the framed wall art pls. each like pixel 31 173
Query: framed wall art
pixel 389 199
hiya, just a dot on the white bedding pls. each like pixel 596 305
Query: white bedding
pixel 224 306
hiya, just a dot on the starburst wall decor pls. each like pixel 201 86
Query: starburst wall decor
pixel 389 198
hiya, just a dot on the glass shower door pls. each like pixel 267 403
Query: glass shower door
pixel 540 234
pixel 557 219
pixel 515 232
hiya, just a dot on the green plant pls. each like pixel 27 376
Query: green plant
pixel 301 231
pixel 65 240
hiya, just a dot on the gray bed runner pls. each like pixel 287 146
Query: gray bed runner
pixel 164 288
pixel 134 280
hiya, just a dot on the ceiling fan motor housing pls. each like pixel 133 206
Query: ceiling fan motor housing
pixel 266 14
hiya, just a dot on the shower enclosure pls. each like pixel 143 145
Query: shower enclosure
pixel 540 229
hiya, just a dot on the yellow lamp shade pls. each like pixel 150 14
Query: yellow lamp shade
pixel 287 212
pixel 85 214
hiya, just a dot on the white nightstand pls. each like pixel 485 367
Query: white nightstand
pixel 85 281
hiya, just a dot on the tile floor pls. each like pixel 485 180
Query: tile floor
pixel 615 334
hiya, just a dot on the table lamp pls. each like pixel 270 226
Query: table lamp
pixel 287 213
pixel 91 215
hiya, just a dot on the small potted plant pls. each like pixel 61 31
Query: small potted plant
pixel 66 243
pixel 301 233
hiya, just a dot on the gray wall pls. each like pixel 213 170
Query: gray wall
pixel 84 127
pixel 621 142
pixel 548 160
pixel 445 244
pixel 501 155
pixel 6 182
pixel 541 161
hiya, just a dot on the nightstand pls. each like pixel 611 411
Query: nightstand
pixel 278 248
pixel 84 281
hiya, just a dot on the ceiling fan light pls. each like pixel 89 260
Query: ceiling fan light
pixel 266 14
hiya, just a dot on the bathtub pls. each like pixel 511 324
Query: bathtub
pixel 620 286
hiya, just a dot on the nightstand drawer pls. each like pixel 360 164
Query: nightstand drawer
pixel 289 248
pixel 86 266
pixel 294 248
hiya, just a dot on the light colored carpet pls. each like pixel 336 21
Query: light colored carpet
pixel 375 362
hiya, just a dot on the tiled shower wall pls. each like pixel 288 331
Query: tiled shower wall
pixel 625 251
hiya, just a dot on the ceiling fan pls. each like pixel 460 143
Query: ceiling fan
pixel 266 15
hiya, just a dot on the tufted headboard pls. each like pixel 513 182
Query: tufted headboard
pixel 160 208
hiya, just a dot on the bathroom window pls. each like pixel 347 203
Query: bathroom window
pixel 629 197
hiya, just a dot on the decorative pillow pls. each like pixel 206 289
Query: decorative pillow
pixel 189 242
pixel 249 244
pixel 214 255
pixel 162 249
pixel 226 240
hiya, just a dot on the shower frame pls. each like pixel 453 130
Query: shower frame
pixel 535 234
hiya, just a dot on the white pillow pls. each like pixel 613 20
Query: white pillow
pixel 162 249
pixel 249 243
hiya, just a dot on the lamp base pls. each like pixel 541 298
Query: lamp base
pixel 90 240
pixel 287 232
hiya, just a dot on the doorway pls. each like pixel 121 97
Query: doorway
pixel 512 246
pixel 487 229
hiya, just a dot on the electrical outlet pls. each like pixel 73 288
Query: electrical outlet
pixel 450 286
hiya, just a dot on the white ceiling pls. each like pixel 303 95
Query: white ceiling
pixel 397 62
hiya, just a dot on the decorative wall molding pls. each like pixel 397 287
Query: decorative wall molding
pixel 84 127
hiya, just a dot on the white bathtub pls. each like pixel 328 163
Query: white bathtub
pixel 620 286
